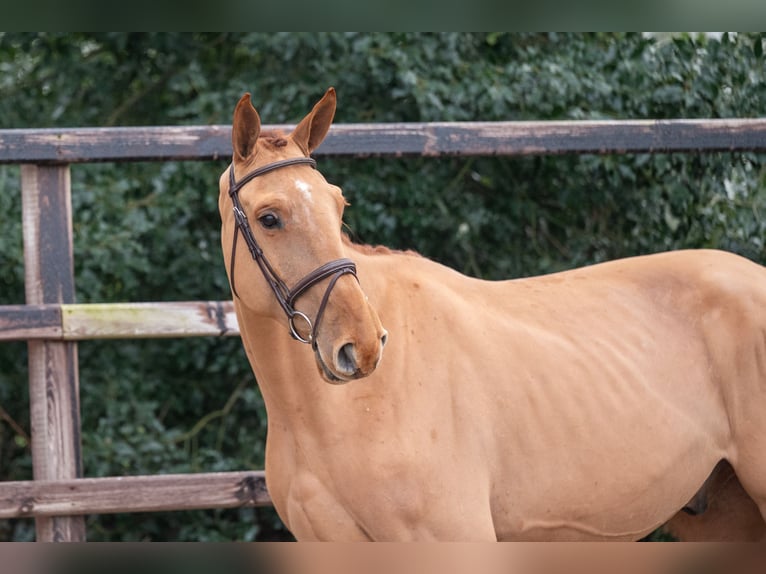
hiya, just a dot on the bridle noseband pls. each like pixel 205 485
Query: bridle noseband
pixel 286 297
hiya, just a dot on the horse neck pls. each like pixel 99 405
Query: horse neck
pixel 284 368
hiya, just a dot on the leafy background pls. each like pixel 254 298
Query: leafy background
pixel 149 231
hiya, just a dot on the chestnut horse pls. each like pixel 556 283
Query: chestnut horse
pixel 592 404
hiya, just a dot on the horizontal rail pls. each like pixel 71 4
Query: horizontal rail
pixel 119 494
pixel 77 322
pixel 78 145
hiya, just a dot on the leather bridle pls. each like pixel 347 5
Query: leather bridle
pixel 285 296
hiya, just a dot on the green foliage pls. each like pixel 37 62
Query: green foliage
pixel 149 232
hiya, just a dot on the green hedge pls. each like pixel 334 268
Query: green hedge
pixel 148 232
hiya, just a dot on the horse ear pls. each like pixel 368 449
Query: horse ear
pixel 312 129
pixel 245 129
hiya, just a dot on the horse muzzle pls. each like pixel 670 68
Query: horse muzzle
pixel 350 361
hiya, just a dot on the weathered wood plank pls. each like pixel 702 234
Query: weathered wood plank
pixel 76 322
pixel 44 498
pixel 73 145
pixel 549 137
pixel 25 322
pixel 147 320
pixel 54 394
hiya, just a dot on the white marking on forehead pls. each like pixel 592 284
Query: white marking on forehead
pixel 305 189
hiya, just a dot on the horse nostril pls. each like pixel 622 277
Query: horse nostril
pixel 384 340
pixel 347 359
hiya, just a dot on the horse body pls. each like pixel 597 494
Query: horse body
pixel 588 404
pixel 545 408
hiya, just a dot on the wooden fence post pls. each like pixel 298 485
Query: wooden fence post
pixel 53 370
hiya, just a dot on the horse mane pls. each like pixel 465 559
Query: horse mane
pixel 376 249
pixel 275 138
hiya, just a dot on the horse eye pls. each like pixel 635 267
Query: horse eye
pixel 270 221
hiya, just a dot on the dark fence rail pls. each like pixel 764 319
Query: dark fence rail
pixel 79 145
pixel 52 322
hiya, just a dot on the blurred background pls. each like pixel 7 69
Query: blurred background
pixel 149 231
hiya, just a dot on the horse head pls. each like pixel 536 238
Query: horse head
pixel 276 205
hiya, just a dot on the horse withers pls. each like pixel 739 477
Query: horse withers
pixel 592 404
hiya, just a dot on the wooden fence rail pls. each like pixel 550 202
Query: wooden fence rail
pixel 52 322
pixel 406 139
pixel 50 498
pixel 78 322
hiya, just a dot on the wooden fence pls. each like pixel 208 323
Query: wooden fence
pixel 52 322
